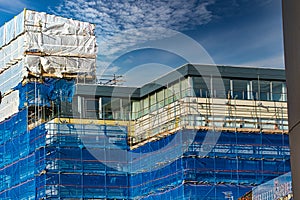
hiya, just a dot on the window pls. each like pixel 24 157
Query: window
pixel 221 87
pixel 200 86
pixel 169 95
pixel 255 90
pixel 92 108
pixel 276 90
pixel 136 109
pixel 125 108
pixel 160 98
pixel 145 105
pixel 106 108
pixel 153 102
pixel 176 90
pixel 284 92
pixel 185 90
pixel 240 89
pixel 265 90
pixel 116 108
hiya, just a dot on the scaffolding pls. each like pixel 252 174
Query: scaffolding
pixel 71 157
pixel 201 113
pixel 54 160
pixel 171 143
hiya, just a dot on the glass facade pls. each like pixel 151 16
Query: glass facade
pixel 203 87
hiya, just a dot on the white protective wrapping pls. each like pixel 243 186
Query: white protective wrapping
pixel 9 105
pixel 59 65
pixel 55 25
pixel 62 45
pixel 48 43
pixel 12 53
pixel 32 21
pixel 11 77
pixel 12 29
pixel 2 38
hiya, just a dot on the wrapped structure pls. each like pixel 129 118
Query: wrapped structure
pixel 48 44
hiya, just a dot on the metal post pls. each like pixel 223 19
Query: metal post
pixel 291 24
pixel 231 89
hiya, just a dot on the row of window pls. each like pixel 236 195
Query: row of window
pixel 239 89
pixel 125 108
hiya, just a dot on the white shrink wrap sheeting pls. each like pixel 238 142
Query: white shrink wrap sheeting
pixel 11 77
pixel 12 53
pixel 2 38
pixel 9 105
pixel 58 65
pixel 32 21
pixel 67 46
pixel 55 65
pixel 47 43
pixel 55 25
pixel 12 29
pixel 33 64
pixel 62 45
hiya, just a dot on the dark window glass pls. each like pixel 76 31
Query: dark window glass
pixel 240 89
pixel 276 90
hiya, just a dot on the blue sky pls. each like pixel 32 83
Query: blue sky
pixel 132 33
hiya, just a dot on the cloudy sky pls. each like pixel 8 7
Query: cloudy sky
pixel 163 34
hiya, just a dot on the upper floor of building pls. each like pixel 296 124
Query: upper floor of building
pixel 200 81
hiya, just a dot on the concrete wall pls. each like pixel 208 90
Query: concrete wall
pixel 291 26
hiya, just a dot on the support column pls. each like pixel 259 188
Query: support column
pixel 291 28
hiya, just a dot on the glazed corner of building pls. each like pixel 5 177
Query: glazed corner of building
pixel 198 96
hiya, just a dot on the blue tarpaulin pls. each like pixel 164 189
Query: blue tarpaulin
pixel 57 90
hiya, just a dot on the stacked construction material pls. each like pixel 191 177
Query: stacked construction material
pixel 40 44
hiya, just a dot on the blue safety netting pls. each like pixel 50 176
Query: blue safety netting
pixel 236 163
pixel 17 160
pixel 41 94
pixel 62 160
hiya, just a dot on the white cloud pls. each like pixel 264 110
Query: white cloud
pixel 123 24
pixel 11 6
pixel 105 71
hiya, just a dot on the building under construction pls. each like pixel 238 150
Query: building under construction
pixel 199 132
